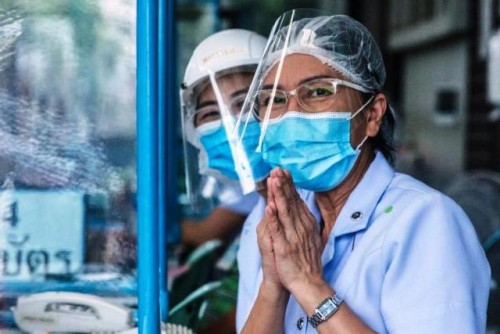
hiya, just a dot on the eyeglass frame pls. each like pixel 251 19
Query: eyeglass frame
pixel 288 94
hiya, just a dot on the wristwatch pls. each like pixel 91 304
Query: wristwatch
pixel 325 310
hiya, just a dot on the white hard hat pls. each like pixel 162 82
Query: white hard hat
pixel 219 52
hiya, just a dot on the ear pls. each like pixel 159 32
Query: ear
pixel 375 114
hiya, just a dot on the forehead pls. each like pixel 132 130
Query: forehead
pixel 297 67
pixel 228 84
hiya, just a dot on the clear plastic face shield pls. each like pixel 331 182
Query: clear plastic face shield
pixel 214 165
pixel 317 78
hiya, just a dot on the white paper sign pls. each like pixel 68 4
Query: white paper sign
pixel 41 232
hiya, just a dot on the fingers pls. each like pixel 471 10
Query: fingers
pixel 273 223
pixel 270 194
pixel 286 199
pixel 283 180
pixel 287 185
pixel 263 238
pixel 292 211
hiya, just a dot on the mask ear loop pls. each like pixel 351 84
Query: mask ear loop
pixel 362 107
pixel 356 113
pixel 358 148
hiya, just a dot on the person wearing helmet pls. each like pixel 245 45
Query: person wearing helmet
pixel 388 254
pixel 215 85
pixel 214 88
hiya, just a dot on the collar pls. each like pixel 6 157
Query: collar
pixel 361 203
pixel 355 214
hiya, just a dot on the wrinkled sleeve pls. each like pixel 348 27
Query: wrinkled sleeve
pixel 436 276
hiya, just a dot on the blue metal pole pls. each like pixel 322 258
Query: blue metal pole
pixel 161 163
pixel 172 126
pixel 168 139
pixel 147 166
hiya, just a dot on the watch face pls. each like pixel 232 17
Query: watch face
pixel 326 308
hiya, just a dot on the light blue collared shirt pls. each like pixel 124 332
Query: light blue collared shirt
pixel 404 257
pixel 242 205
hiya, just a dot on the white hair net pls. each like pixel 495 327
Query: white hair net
pixel 339 41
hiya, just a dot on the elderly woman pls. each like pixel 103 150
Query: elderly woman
pixel 386 253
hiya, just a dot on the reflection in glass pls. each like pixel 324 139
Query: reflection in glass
pixel 67 147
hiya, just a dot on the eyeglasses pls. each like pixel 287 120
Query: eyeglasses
pixel 211 111
pixel 313 96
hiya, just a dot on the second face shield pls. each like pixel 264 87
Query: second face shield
pixel 210 126
pixel 215 85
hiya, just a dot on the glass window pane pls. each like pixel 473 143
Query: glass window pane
pixel 67 148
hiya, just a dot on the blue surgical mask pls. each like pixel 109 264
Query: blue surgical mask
pixel 314 147
pixel 214 140
pixel 213 137
pixel 250 140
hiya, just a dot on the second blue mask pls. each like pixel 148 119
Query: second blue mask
pixel 214 139
pixel 219 158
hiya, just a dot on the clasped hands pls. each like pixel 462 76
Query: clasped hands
pixel 288 237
